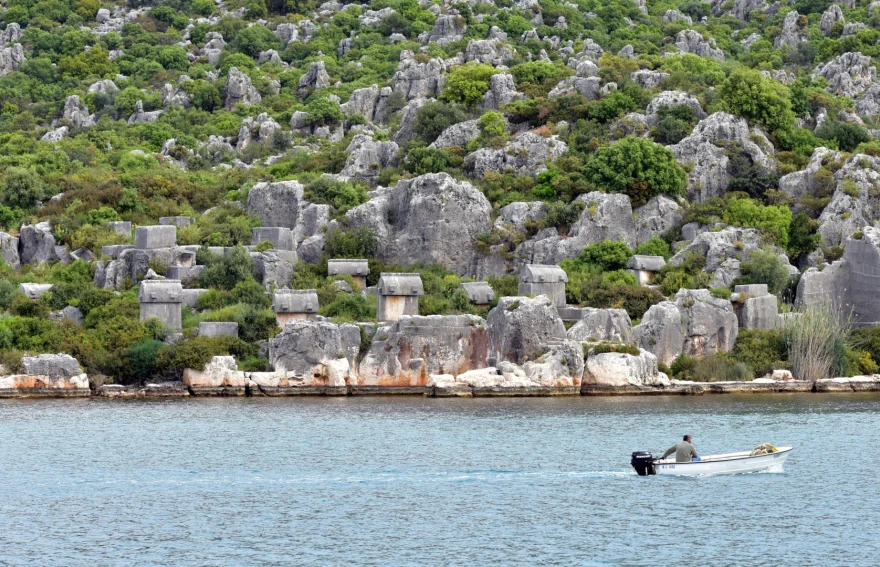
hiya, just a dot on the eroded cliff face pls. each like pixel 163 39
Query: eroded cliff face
pixel 406 353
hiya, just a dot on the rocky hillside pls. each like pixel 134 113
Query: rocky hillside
pixel 662 153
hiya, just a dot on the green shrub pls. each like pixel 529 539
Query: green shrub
pixel 434 117
pixel 323 111
pixel 766 101
pixel 350 307
pixel 607 255
pixel 602 348
pixel 254 39
pixel 420 161
pixel 637 167
pixel 142 360
pixel 22 188
pixel 772 220
pixel 761 350
pixel 226 270
pixel 845 135
pixel 466 84
pixel 195 353
pixel 341 195
pixel 713 367
pixel 357 243
pixel 766 267
pixel 537 78
pixel 655 246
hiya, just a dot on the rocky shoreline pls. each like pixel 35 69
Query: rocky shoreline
pixel 39 388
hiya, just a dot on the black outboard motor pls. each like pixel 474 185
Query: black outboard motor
pixel 643 462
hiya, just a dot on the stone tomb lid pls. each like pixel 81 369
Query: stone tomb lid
pixel 295 301
pixel 542 273
pixel 479 292
pixel 348 267
pixel 647 263
pixel 160 291
pixel 391 284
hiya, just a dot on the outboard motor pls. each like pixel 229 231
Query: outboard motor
pixel 643 462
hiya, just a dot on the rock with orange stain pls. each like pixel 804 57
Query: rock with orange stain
pixel 314 354
pixel 404 355
pixel 219 377
pixel 26 385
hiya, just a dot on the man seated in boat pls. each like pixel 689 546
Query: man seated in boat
pixel 684 451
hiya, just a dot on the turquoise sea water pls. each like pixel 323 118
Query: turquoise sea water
pixel 411 481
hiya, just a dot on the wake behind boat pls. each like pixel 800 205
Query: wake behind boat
pixel 726 463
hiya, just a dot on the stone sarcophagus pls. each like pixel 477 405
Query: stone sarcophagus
pixel 294 305
pixel 398 294
pixel 543 279
pixel 357 269
pixel 162 300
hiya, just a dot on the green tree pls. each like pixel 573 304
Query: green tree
pixel 766 267
pixel 847 136
pixel 638 167
pixel 772 220
pixel 748 94
pixel 22 188
pixel 434 117
pixel 466 84
pixel 255 39
pixel 227 270
pixel 323 111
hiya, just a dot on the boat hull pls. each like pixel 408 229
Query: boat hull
pixel 733 463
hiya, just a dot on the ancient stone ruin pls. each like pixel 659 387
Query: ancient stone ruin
pixel 357 269
pixel 294 304
pixel 398 296
pixel 542 279
pixel 162 300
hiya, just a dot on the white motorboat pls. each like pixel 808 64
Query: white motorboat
pixel 725 463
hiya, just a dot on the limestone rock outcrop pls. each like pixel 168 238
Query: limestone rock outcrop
pixel 367 157
pixel 428 219
pixel 671 99
pixel 490 51
pixel 849 74
pixel 620 369
pixel 695 324
pixel 855 202
pixel 606 216
pixel 724 251
pixel 523 328
pixel 278 203
pixel 502 90
pixel 77 113
pixel 707 161
pixel 37 244
pixel 457 135
pixel 316 77
pixel 850 284
pixel 406 353
pixel 140 116
pixel 312 353
pixel 418 80
pixel 602 325
pixel 690 41
pixel 527 154
pixel 830 17
pixel 791 34
pixel 9 250
pixel 240 89
pixel 11 59
pixel 446 29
